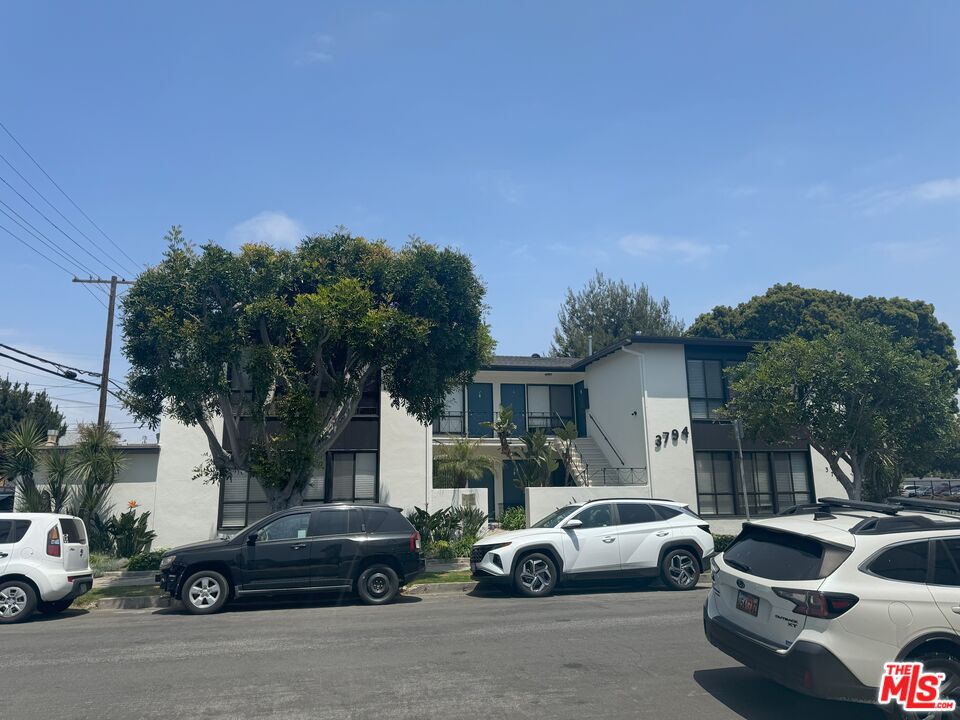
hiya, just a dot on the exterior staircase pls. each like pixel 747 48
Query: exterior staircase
pixel 591 466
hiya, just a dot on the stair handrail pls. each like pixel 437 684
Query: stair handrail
pixel 612 447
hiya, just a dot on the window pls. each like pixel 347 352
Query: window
pixel 946 568
pixel 783 556
pixel 756 471
pixel 792 479
pixel 12 531
pixel 336 522
pixel 242 501
pixel 451 421
pixel 705 388
pixel 549 406
pixel 288 527
pixel 906 562
pixel 665 512
pixel 596 516
pixel 635 513
pixel 381 520
pixel 352 476
pixel 715 490
pixel 72 530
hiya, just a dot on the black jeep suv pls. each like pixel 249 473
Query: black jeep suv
pixel 371 549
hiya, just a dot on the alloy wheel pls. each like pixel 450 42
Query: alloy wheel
pixel 535 575
pixel 204 592
pixel 682 570
pixel 12 602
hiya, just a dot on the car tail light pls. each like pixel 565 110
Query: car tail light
pixel 814 603
pixel 53 542
pixel 415 541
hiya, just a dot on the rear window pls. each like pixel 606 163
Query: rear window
pixel 666 511
pixel 783 556
pixel 72 531
pixel 382 520
pixel 12 531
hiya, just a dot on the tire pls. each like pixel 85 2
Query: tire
pixel 680 570
pixel 55 606
pixel 205 592
pixel 949 688
pixel 378 585
pixel 535 575
pixel 17 601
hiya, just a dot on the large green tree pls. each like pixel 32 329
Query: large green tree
pixel 808 313
pixel 609 310
pixel 18 402
pixel 859 396
pixel 279 344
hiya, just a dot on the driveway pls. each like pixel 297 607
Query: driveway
pixel 584 654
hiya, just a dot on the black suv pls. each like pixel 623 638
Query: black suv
pixel 371 549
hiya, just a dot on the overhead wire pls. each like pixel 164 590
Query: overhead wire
pixel 49 362
pixel 64 193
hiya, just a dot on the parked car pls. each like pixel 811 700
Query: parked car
pixel 44 564
pixel 819 598
pixel 372 550
pixel 609 538
pixel 909 490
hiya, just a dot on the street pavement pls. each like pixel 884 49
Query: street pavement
pixel 584 654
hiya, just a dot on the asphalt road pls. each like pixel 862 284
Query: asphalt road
pixel 587 654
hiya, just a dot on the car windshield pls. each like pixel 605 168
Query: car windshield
pixel 556 517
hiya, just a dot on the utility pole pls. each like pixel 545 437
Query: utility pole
pixel 108 340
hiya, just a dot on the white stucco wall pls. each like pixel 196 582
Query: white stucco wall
pixel 406 457
pixel 186 509
pixel 825 482
pixel 541 501
pixel 450 497
pixel 616 393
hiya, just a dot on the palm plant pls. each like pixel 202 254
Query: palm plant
pixel 459 463
pixel 21 453
pixel 57 466
pixel 503 427
pixel 567 434
pixel 536 461
pixel 95 462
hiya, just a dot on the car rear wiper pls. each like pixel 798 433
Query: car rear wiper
pixel 738 565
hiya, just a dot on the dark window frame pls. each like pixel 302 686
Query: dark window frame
pixel 328 477
pixel 867 565
pixel 461 416
pixel 753 496
pixel 553 419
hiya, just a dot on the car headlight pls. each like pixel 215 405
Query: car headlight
pixel 166 561
pixel 488 548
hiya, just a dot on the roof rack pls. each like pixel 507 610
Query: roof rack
pixel 936 506
pixel 828 504
pixel 900 523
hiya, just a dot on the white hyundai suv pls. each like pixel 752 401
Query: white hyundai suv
pixel 608 538
pixel 820 597
pixel 44 564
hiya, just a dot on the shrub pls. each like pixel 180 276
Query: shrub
pixel 462 547
pixel 514 518
pixel 470 521
pixel 101 564
pixel 442 550
pixel 130 533
pixel 722 542
pixel 146 560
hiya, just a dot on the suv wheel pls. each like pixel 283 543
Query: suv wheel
pixel 17 601
pixel 378 585
pixel 949 665
pixel 54 606
pixel 205 592
pixel 535 575
pixel 680 570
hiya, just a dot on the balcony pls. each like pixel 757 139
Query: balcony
pixel 460 423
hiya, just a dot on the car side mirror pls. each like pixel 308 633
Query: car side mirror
pixel 572 524
pixel 252 538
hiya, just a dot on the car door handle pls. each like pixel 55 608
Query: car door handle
pixel 956 609
pixel 608 539
pixel 298 546
pixel 3 554
pixel 663 533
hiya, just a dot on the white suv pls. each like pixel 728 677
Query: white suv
pixel 820 597
pixel 44 564
pixel 609 538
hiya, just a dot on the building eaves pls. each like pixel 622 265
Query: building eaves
pixel 683 340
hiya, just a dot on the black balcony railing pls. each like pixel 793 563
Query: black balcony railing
pixel 460 423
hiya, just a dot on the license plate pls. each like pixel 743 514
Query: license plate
pixel 748 603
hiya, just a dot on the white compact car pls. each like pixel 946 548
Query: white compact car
pixel 820 597
pixel 44 564
pixel 609 538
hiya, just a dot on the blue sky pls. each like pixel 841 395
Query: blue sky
pixel 706 149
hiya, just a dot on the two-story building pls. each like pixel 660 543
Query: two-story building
pixel 645 410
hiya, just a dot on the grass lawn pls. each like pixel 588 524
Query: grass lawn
pixel 451 576
pixel 113 592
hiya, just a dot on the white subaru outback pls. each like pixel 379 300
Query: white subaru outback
pixel 44 564
pixel 820 597
pixel 609 538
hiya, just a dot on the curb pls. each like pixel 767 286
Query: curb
pixel 133 603
pixel 433 588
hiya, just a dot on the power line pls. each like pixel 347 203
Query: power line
pixel 50 362
pixel 62 231
pixel 51 372
pixel 55 208
pixel 45 257
pixel 64 193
